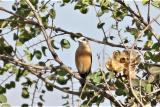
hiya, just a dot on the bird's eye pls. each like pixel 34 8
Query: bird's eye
pixel 84 39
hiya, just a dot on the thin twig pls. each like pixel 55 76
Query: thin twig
pixel 148 15
pixel 137 8
pixel 153 92
pixel 130 81
pixel 6 79
pixel 34 93
pixel 72 94
pixel 105 36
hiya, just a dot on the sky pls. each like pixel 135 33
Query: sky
pixel 72 20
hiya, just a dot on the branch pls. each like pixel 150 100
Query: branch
pixel 34 93
pixel 97 41
pixel 70 33
pixel 133 13
pixel 34 68
pixel 130 81
pixel 6 79
pixel 148 15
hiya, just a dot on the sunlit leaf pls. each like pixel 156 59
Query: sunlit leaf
pixel 52 13
pixel 145 2
pixel 156 3
pixel 5 105
pixel 18 43
pixel 66 1
pixel 65 44
pixel 61 80
pixel 3 23
pixel 84 10
pixel 3 99
pixel 147 55
pixel 25 93
pixel 28 54
pixel 148 88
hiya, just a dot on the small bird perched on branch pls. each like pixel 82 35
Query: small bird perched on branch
pixel 83 58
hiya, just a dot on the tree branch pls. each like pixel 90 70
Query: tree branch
pixel 70 33
pixel 34 93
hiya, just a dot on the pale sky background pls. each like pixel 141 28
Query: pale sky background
pixel 72 20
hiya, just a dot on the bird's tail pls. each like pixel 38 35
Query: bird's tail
pixel 84 76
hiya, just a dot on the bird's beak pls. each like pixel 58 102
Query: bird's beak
pixel 78 39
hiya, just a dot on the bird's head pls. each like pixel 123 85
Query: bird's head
pixel 83 41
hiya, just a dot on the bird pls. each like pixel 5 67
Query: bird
pixel 83 58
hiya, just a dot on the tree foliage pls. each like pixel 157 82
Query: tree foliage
pixel 133 72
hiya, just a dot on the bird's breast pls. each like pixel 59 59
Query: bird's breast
pixel 83 61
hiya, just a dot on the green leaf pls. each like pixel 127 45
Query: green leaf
pixel 100 100
pixel 148 55
pixel 41 98
pixel 119 84
pixel 86 2
pixel 156 46
pixel 110 75
pixel 26 72
pixel 133 31
pixel 65 44
pixel 100 25
pixel 49 87
pixel 15 36
pixel 42 63
pixel 24 105
pixel 2 90
pixel 18 43
pixel 45 20
pixel 7 86
pixel 120 92
pixel 28 54
pixel 52 77
pixel 44 50
pixel 66 1
pixel 40 104
pixel 61 80
pixel 14 7
pixel 12 84
pixel 84 10
pixel 78 6
pixel 96 77
pixel 61 72
pixel 3 23
pixel 104 4
pixel 3 99
pixel 145 2
pixel 156 3
pixel 52 13
pixel 38 54
pixel 148 88
pixel 43 91
pixel 5 105
pixel 25 93
pixel 149 43
pixel 53 45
